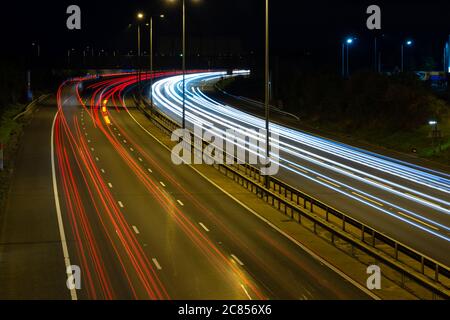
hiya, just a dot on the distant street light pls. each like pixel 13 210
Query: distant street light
pixel 408 43
pixel 69 54
pixel 38 48
pixel 435 134
pixel 345 59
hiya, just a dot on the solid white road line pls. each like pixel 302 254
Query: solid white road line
pixel 237 260
pixel 203 226
pixel 158 266
pixel 62 233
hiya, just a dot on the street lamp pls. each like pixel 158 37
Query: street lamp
pixel 348 42
pixel 408 43
pixel 38 48
pixel 267 88
pixel 140 16
pixel 184 60
pixel 434 134
pixel 150 24
pixel 69 54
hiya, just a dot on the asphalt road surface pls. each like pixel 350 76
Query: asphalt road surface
pixel 93 189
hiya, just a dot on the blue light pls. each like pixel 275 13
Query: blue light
pixel 409 43
pixel 349 41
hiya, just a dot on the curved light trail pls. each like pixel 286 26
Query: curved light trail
pixel 406 190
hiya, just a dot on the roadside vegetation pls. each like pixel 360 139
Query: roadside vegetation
pixel 388 111
pixel 12 102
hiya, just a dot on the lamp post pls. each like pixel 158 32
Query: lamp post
pixel 150 25
pixel 140 17
pixel 69 54
pixel 348 42
pixel 435 135
pixel 267 95
pixel 408 43
pixel 38 48
pixel 345 67
pixel 184 61
pixel 184 64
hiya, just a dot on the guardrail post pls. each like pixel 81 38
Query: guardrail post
pixel 396 251
pixel 436 274
pixel 373 238
pixel 343 223
pixel 422 262
pixel 363 233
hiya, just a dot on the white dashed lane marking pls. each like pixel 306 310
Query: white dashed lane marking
pixel 237 260
pixel 162 183
pixel 136 230
pixel 120 204
pixel 158 266
pixel 180 203
pixel 204 227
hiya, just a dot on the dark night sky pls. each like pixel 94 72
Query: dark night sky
pixel 295 25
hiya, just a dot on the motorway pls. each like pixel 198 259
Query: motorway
pixel 406 202
pixel 137 225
